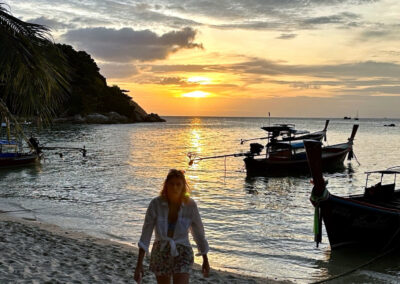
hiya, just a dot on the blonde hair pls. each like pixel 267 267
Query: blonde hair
pixel 174 173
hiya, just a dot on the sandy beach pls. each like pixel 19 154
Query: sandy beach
pixel 36 252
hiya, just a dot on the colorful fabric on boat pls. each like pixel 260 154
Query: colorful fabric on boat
pixel 163 263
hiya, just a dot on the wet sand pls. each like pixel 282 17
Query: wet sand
pixel 44 253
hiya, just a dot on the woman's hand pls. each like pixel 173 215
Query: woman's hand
pixel 138 273
pixel 139 267
pixel 205 268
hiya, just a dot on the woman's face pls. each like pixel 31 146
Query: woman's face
pixel 175 187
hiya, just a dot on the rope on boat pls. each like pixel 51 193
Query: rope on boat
pixel 316 200
pixel 384 253
pixel 355 157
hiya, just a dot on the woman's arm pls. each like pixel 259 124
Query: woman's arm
pixel 205 268
pixel 197 230
pixel 144 242
pixel 148 227
pixel 139 266
pixel 199 237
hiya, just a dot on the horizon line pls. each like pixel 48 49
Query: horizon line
pixel 293 117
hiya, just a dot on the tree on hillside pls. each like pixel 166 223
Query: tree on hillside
pixel 34 73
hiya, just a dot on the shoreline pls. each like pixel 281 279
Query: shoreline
pixel 41 252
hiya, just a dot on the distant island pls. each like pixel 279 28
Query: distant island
pixel 91 100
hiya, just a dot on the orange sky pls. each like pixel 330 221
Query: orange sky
pixel 238 58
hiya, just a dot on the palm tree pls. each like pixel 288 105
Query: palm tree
pixel 33 71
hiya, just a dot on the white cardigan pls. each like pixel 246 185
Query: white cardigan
pixel 188 219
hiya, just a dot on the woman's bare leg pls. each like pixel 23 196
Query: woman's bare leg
pixel 181 278
pixel 164 279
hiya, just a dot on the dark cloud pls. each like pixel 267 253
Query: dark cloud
pixel 254 25
pixel 332 19
pixel 127 44
pixel 265 67
pixel 376 34
pixel 287 36
pixel 356 70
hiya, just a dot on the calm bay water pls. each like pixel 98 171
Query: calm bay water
pixel 258 226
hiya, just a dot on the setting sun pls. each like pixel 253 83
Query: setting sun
pixel 196 94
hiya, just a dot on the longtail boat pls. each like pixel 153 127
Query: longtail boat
pixel 370 219
pixel 289 157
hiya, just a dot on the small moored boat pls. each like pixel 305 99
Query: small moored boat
pixel 371 219
pixel 12 154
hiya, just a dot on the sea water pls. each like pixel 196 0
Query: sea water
pixel 258 226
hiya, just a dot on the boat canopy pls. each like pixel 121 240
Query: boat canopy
pixel 293 145
pixel 8 142
pixel 385 172
pixel 282 129
pixel 279 128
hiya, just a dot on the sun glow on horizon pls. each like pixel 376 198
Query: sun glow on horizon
pixel 196 94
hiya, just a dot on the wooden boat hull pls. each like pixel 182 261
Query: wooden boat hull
pixel 352 221
pixel 18 160
pixel 332 158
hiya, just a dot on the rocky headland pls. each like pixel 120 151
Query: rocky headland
pixel 91 100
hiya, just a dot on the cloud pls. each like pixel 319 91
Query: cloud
pixel 377 34
pixel 295 21
pixel 375 90
pixel 287 36
pixel 172 81
pixel 304 86
pixel 144 78
pixel 51 23
pixel 256 9
pixel 118 70
pixel 332 19
pixel 366 69
pixel 127 44
pixel 367 77
pixel 279 15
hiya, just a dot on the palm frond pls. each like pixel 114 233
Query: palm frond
pixel 34 73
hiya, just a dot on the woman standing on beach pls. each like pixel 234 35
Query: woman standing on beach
pixel 172 214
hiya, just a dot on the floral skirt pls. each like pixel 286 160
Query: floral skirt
pixel 163 263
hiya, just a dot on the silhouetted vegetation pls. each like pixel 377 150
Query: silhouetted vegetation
pixel 33 71
pixel 90 93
